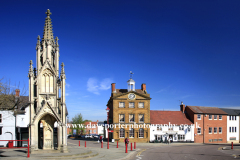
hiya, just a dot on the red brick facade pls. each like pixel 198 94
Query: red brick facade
pixel 91 127
pixel 205 124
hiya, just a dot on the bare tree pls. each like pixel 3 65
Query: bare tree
pixel 10 97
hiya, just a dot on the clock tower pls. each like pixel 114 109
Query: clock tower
pixel 129 115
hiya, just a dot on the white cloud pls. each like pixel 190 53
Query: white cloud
pixel 93 85
pixel 67 94
pixel 105 84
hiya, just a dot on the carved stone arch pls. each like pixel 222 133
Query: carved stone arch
pixel 41 115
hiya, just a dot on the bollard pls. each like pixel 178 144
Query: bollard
pixel 131 146
pixel 107 145
pixel 101 144
pixel 79 143
pixel 28 149
pixel 232 145
pixel 134 145
pixel 126 148
pixel 117 144
pixel 85 144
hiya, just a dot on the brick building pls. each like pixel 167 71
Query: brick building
pixel 131 109
pixel 212 123
pixel 91 127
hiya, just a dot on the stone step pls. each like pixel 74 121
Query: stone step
pixel 85 155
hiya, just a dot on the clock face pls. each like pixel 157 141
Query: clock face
pixel 131 96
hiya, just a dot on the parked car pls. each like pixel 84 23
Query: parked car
pixel 96 136
pixel 87 136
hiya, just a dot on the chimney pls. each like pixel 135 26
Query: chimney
pixel 143 87
pixel 182 107
pixel 17 93
pixel 113 88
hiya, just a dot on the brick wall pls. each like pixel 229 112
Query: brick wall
pixel 205 123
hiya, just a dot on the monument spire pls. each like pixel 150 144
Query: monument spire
pixel 48 32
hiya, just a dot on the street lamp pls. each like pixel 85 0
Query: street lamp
pixel 107 110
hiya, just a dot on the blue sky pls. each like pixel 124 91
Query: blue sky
pixel 183 50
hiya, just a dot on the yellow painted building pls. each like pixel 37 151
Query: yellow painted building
pixel 129 113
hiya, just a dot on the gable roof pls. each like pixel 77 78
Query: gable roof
pixel 206 110
pixel 233 112
pixel 8 102
pixel 164 117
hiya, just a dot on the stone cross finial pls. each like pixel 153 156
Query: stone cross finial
pixel 30 67
pixel 62 68
pixel 56 39
pixel 48 13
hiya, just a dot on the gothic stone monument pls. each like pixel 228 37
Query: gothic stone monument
pixel 47 95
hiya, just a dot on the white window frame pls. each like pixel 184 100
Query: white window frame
pixel 215 117
pixel 133 118
pixel 209 117
pixel 141 133
pixel 220 117
pixel 131 105
pixel 120 118
pixel 230 118
pixel 230 129
pixel 199 130
pixel 235 129
pixel 220 130
pixel 181 128
pixel 122 133
pixel 181 137
pixel 141 106
pixel 121 105
pixel 159 128
pixel 199 118
pixel 215 130
pixel 140 119
pixel 210 130
pixel 131 133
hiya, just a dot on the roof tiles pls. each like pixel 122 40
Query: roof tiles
pixel 164 117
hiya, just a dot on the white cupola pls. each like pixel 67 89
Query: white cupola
pixel 131 83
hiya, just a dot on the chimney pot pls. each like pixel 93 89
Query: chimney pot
pixel 17 93
pixel 182 107
pixel 143 87
pixel 113 87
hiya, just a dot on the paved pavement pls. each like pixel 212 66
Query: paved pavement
pixel 93 151
pixel 148 151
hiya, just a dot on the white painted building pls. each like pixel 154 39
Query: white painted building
pixel 170 124
pixel 232 125
pixel 14 116
pixel 7 126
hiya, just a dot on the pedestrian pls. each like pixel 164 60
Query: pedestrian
pixel 166 139
pixel 170 140
pixel 126 141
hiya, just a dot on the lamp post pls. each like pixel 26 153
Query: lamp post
pixel 107 110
